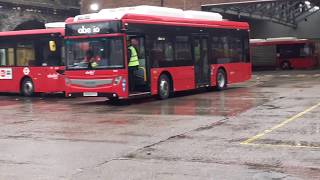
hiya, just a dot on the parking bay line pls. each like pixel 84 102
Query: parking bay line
pixel 254 138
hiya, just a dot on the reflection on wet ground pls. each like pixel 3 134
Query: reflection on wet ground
pixel 195 135
pixel 227 103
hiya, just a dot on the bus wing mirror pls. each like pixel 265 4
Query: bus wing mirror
pixel 52 46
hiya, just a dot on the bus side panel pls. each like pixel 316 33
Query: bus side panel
pixel 236 72
pixel 183 78
pixel 303 63
pixel 46 79
pixel 239 72
pixel 9 83
pixel 52 83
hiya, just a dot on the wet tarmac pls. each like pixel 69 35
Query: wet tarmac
pixel 267 128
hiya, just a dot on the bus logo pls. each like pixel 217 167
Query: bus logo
pixel 26 71
pixel 91 73
pixel 52 76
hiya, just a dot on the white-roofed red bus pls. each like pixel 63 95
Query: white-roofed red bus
pixel 178 50
pixel 31 61
pixel 285 53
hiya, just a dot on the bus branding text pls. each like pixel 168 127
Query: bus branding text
pixel 89 30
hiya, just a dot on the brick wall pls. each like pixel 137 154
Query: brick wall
pixel 16 12
pixel 183 4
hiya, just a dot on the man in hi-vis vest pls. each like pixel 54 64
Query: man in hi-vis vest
pixel 133 62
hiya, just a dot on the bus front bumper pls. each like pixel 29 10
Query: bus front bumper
pixel 96 88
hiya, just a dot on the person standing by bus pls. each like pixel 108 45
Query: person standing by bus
pixel 133 62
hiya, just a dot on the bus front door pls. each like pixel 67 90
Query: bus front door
pixel 201 61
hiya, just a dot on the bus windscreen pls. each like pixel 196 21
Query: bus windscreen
pixel 95 53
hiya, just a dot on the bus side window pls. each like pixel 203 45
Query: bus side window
pixel 182 49
pixel 162 52
pixel 3 57
pixel 10 57
pixel 7 57
pixel 25 54
pixel 50 53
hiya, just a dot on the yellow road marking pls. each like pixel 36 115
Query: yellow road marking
pixel 279 125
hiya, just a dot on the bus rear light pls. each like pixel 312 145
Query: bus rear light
pixel 117 80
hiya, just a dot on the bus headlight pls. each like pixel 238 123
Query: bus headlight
pixel 124 85
pixel 117 80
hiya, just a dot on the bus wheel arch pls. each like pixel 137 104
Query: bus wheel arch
pixel 165 85
pixel 221 79
pixel 27 86
pixel 285 65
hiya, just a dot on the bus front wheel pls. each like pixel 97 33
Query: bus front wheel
pixel 164 87
pixel 221 80
pixel 27 87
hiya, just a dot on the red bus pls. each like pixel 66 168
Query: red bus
pixel 285 53
pixel 178 50
pixel 30 61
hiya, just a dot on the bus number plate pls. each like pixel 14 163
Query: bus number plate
pixel 90 94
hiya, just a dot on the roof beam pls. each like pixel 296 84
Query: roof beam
pixel 285 12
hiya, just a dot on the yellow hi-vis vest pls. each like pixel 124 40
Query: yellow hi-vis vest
pixel 134 60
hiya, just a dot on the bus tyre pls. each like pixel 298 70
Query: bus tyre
pixel 114 99
pixel 285 65
pixel 27 87
pixel 164 87
pixel 221 80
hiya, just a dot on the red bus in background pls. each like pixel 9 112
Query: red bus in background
pixel 30 61
pixel 178 50
pixel 285 53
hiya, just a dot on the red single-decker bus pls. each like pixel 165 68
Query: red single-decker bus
pixel 178 50
pixel 285 53
pixel 31 61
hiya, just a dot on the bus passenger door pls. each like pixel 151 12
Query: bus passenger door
pixel 141 80
pixel 201 61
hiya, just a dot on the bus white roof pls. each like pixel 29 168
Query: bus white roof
pixel 55 25
pixel 282 39
pixel 202 15
pixel 257 40
pixel 86 16
pixel 276 39
pixel 119 13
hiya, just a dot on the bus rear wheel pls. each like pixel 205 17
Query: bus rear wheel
pixel 221 81
pixel 285 65
pixel 164 87
pixel 27 87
